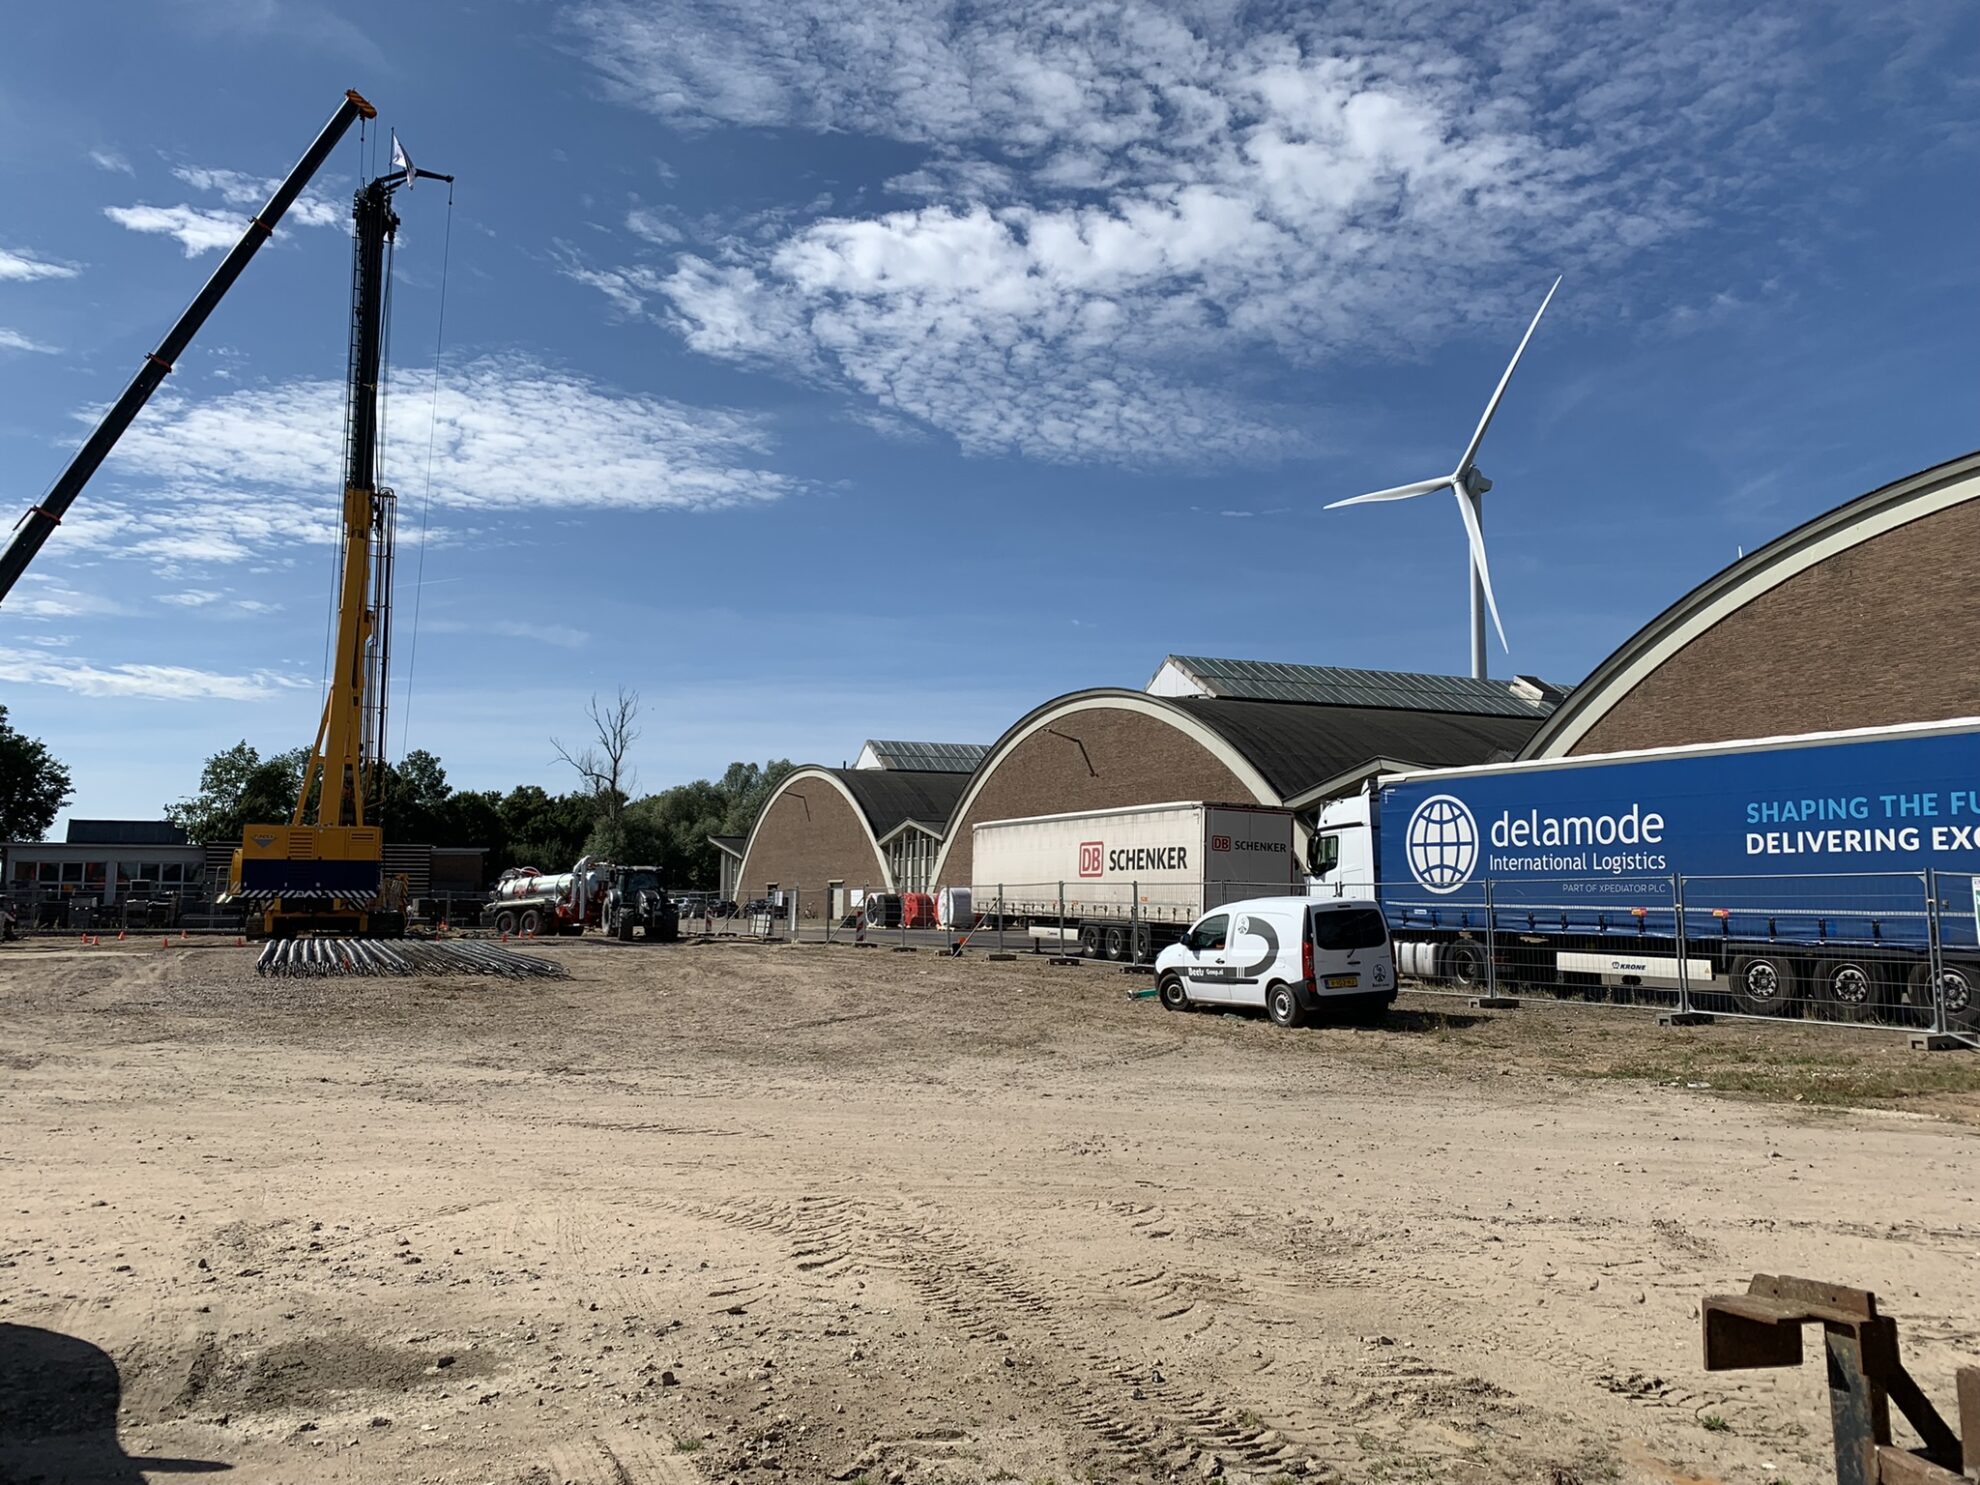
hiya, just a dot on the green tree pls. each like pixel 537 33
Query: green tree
pixel 544 830
pixel 414 800
pixel 34 785
pixel 238 787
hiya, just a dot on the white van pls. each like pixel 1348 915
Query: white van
pixel 1295 958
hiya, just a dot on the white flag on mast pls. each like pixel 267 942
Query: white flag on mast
pixel 401 160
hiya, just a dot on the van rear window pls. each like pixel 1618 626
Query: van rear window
pixel 1336 929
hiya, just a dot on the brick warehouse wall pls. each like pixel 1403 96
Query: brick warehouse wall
pixel 807 852
pixel 1881 633
pixel 1138 759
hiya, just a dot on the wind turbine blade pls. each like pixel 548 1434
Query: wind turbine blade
pixel 1471 449
pixel 1399 492
pixel 1477 535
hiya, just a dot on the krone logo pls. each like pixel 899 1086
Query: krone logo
pixel 1442 841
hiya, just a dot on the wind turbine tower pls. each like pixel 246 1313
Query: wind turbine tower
pixel 1468 483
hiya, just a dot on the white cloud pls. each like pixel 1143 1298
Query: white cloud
pixel 40 597
pixel 201 229
pixel 192 597
pixel 25 267
pixel 253 471
pixel 197 229
pixel 1121 206
pixel 13 340
pixel 252 192
pixel 112 161
pixel 143 682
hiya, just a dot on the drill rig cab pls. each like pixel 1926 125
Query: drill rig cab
pixel 323 870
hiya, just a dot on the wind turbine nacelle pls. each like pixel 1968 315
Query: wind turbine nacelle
pixel 1475 481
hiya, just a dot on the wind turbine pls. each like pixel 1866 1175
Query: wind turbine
pixel 1468 483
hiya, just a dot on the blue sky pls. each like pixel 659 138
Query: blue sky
pixel 826 370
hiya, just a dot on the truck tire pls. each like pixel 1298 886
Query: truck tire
pixel 1282 1006
pixel 1464 964
pixel 1853 989
pixel 1144 943
pixel 622 927
pixel 1089 940
pixel 1959 984
pixel 1174 994
pixel 529 921
pixel 505 921
pixel 1761 984
pixel 1119 945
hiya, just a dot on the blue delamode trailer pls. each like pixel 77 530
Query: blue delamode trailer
pixel 1837 868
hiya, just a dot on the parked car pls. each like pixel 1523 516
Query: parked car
pixel 1295 958
pixel 761 907
pixel 722 907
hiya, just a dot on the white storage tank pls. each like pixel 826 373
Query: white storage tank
pixel 952 908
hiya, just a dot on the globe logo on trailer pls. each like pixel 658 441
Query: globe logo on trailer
pixel 1442 841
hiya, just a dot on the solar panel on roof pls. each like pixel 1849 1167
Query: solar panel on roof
pixel 1328 685
pixel 934 757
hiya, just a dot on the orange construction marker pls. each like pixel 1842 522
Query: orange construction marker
pixel 120 935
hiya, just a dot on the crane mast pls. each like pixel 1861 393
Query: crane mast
pixel 347 759
pixel 324 868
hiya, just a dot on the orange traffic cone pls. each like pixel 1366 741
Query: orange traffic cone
pixel 240 941
pixel 166 941
pixel 120 935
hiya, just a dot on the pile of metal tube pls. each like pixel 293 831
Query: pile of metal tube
pixel 372 956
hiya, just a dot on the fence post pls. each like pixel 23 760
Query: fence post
pixel 902 897
pixel 1686 1014
pixel 1491 999
pixel 1134 918
pixel 1935 951
pixel 1061 940
pixel 1000 917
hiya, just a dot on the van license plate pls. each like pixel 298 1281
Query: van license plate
pixel 1342 982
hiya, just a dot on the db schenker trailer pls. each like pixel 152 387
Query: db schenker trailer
pixel 1126 883
pixel 1837 868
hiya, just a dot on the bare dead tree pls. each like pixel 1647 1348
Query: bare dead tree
pixel 602 762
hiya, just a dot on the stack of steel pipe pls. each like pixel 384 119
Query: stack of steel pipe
pixel 293 957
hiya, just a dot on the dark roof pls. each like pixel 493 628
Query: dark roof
pixel 1297 747
pixel 929 757
pixel 890 796
pixel 733 844
pixel 1332 685
pixel 125 833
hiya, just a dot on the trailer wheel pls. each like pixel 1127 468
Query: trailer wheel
pixel 1282 1006
pixel 505 921
pixel 1089 940
pixel 529 922
pixel 1959 985
pixel 1464 965
pixel 1762 984
pixel 1119 945
pixel 1175 995
pixel 1853 989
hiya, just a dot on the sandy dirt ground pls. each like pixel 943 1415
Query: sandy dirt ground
pixel 713 1213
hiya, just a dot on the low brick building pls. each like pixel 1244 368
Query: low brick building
pixel 1230 731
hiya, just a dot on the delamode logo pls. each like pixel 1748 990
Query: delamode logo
pixel 1442 843
pixel 1092 853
